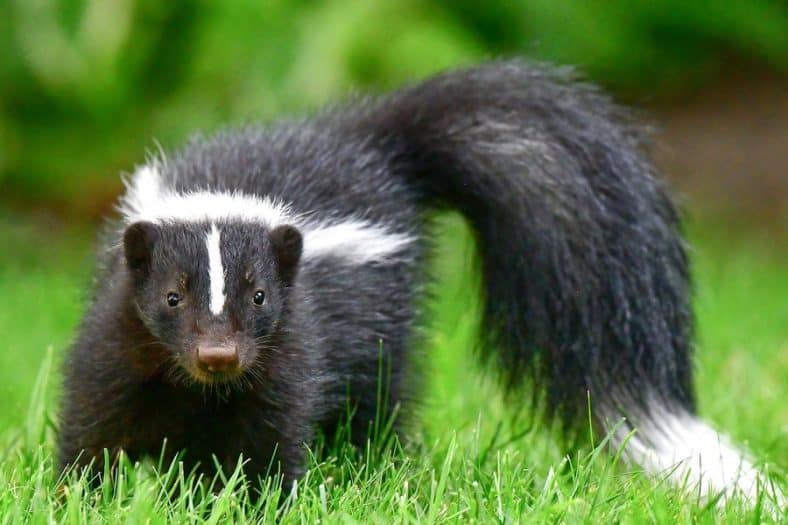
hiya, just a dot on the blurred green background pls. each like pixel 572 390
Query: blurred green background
pixel 88 86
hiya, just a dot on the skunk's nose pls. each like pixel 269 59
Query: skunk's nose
pixel 217 358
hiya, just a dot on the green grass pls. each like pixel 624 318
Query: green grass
pixel 471 460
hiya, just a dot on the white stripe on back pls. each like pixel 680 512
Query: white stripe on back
pixel 215 270
pixel 357 242
pixel 351 240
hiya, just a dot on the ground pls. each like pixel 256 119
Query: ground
pixel 471 460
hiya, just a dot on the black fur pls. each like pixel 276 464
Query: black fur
pixel 584 272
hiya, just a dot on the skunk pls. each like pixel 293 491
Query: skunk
pixel 257 281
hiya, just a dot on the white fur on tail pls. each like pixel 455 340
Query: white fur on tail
pixel 691 454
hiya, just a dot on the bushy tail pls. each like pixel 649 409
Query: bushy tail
pixel 584 271
pixel 585 275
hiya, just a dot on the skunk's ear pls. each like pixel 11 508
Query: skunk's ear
pixel 138 242
pixel 287 243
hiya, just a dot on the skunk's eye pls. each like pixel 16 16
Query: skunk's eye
pixel 259 297
pixel 173 299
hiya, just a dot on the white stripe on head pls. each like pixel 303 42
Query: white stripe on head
pixel 351 240
pixel 215 270
pixel 148 199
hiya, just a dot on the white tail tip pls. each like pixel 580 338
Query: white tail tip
pixel 689 453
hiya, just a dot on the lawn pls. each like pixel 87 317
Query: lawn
pixel 470 460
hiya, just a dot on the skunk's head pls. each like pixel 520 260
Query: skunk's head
pixel 215 295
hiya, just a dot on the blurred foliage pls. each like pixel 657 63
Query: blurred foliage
pixel 86 86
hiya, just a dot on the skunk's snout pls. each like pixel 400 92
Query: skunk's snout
pixel 222 359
